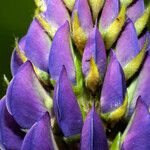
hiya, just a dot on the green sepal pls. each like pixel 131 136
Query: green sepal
pixel 132 67
pixel 111 34
pixel 141 22
pixel 42 76
pixel 117 114
pixel 20 53
pixel 78 88
pixel 93 79
pixel 53 82
pixel 116 143
pixel 72 139
pixel 5 79
pixel 78 34
pixel 96 6
pixel 69 4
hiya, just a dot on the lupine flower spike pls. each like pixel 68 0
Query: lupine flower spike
pixel 80 78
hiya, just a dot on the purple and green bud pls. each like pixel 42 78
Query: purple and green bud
pixel 82 23
pixel 26 99
pixel 112 21
pixel 94 60
pixel 114 99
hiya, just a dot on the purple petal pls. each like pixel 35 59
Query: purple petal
pixel 56 13
pixel 16 61
pixel 84 14
pixel 114 88
pixel 145 36
pixel 39 137
pixel 60 54
pixel 11 136
pixel 94 48
pixel 136 10
pixel 25 97
pixel 109 13
pixel 66 108
pixel 143 86
pixel 142 39
pixel 38 45
pixel 127 46
pixel 148 45
pixel 138 134
pixel 93 134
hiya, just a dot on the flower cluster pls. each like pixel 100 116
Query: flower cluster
pixel 80 78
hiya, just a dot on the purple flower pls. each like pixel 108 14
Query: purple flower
pixel 113 101
pixel 80 73
pixel 11 136
pixel 93 134
pixel 66 107
pixel 137 133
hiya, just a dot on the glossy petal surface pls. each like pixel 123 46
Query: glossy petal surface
pixel 138 134
pixel 94 48
pixel 37 45
pixel 16 61
pixel 142 87
pixel 60 54
pixel 25 97
pixel 39 137
pixel 142 39
pixel 114 88
pixel 127 46
pixel 11 136
pixel 136 10
pixel 109 13
pixel 56 13
pixel 84 14
pixel 66 108
pixel 93 134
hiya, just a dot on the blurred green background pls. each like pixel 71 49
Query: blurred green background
pixel 15 17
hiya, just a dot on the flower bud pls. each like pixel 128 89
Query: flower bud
pixel 37 49
pixel 112 21
pixel 11 136
pixel 64 103
pixel 94 60
pixel 26 98
pixel 139 15
pixel 113 101
pixel 18 56
pixel 61 54
pixel 81 24
pixel 93 134
pixel 40 135
pixel 128 53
